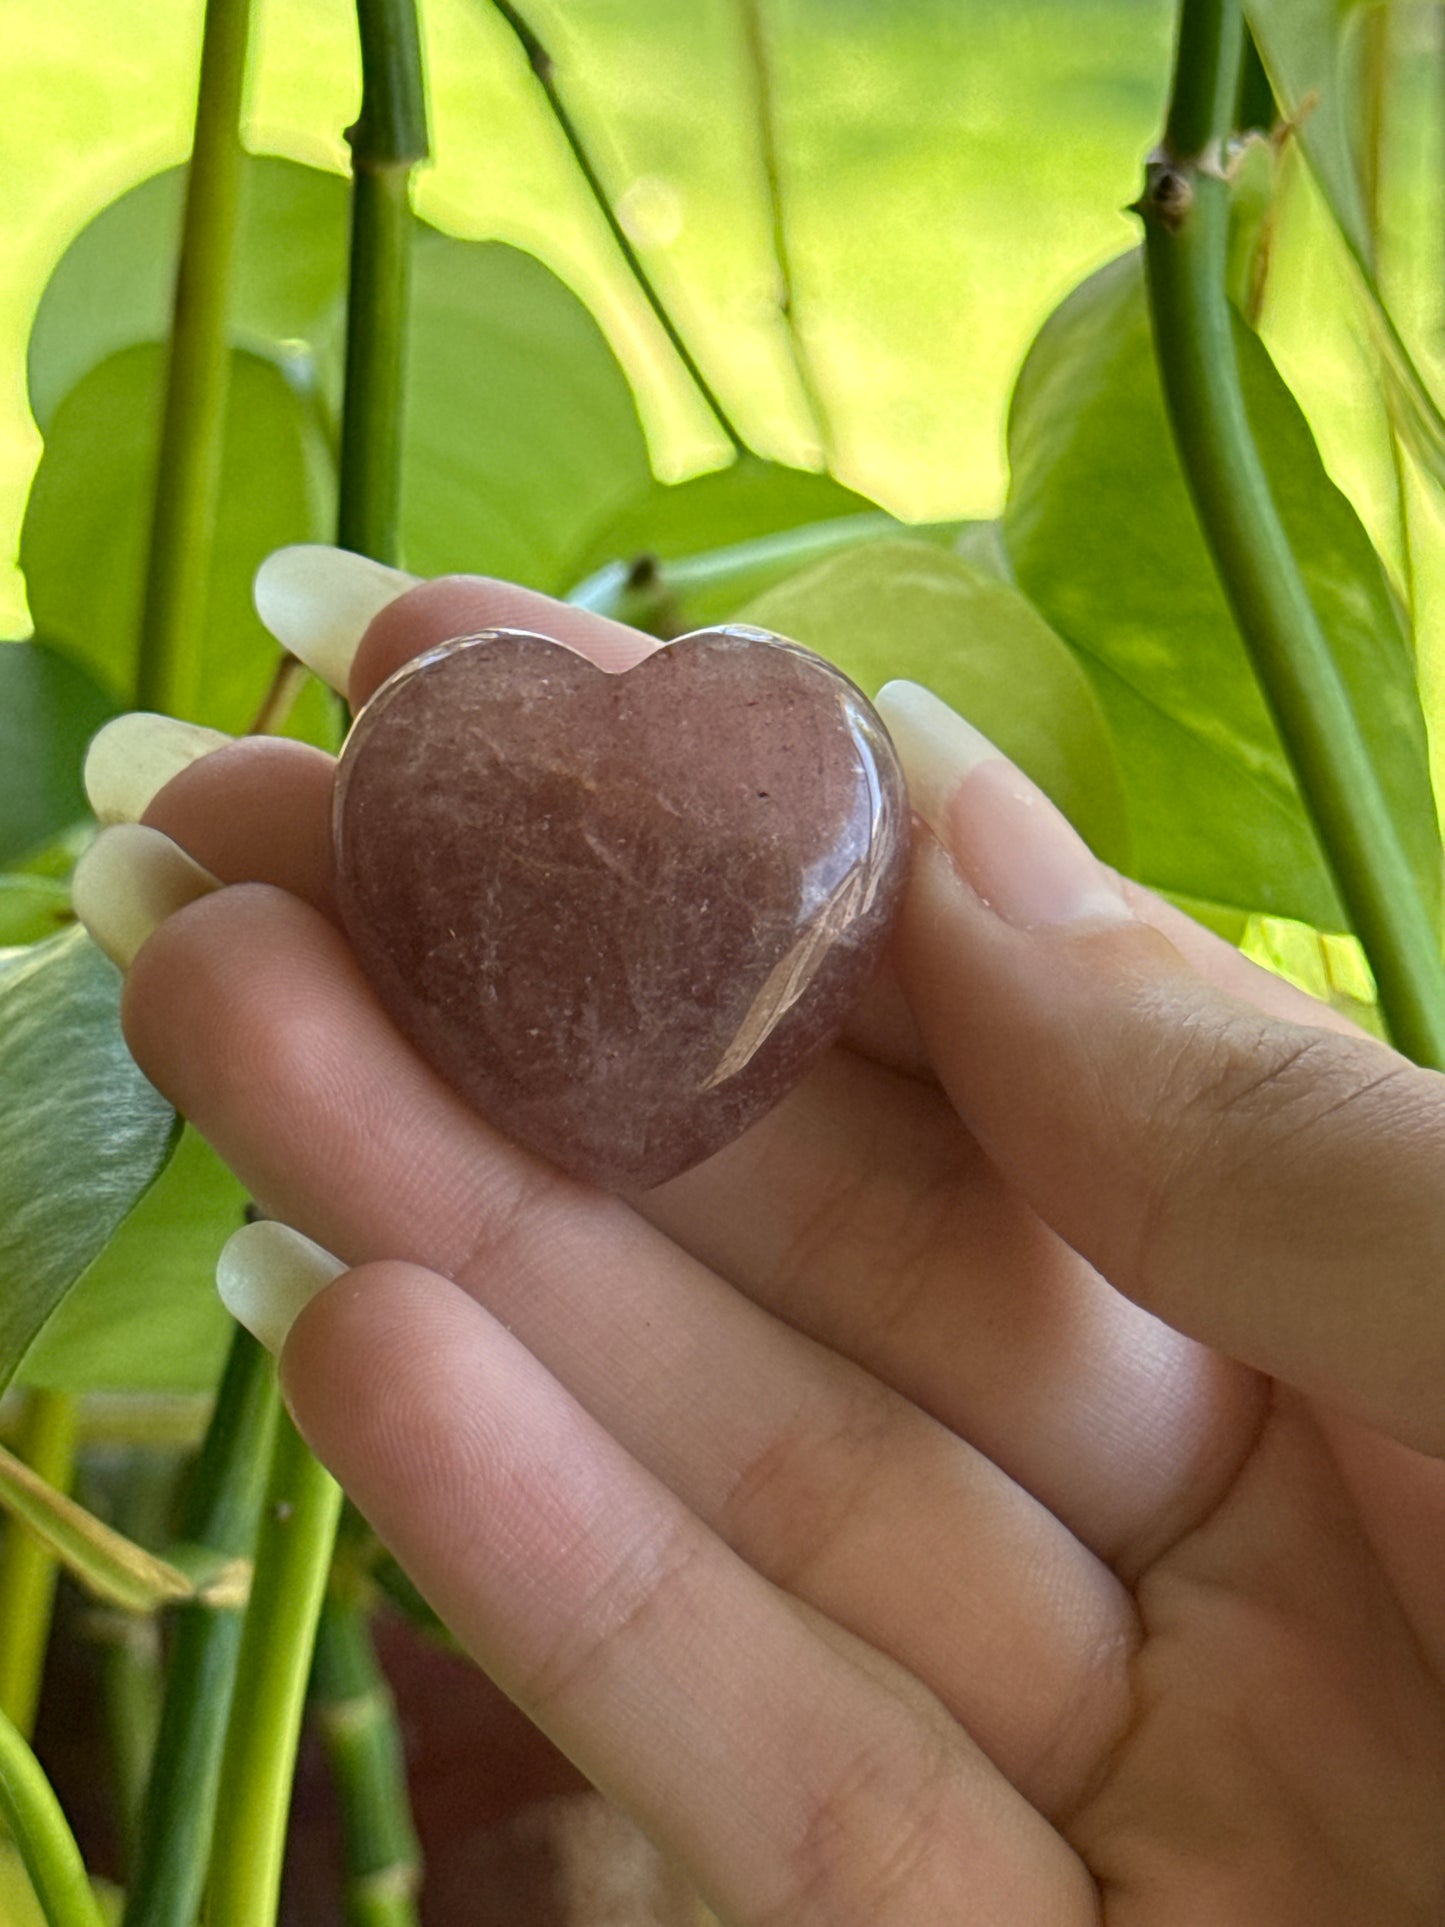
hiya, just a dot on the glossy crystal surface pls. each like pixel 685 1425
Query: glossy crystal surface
pixel 619 913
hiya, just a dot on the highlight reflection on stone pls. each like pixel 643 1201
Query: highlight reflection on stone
pixel 620 913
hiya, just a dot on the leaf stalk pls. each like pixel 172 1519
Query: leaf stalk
pixel 42 1835
pixel 193 424
pixel 357 1720
pixel 293 1556
pixel 28 1563
pixel 221 1512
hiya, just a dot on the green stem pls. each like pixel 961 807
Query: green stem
pixel 368 506
pixel 293 1556
pixel 132 1671
pixel 656 593
pixel 131 1686
pixel 544 68
pixel 40 1832
pixel 28 1568
pixel 298 1530
pixel 222 1508
pixel 357 1717
pixel 1186 215
pixel 193 426
pixel 755 35
pixel 387 142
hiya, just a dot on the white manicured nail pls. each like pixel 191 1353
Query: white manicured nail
pixel 133 758
pixel 128 882
pixel 936 747
pixel 319 601
pixel 268 1274
pixel 1015 848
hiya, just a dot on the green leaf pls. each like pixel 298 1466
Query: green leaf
pixel 32 908
pixel 693 553
pixel 982 544
pixel 719 510
pixel 1302 45
pixel 1332 970
pixel 82 1133
pixel 49 710
pixel 671 598
pixel 144 1316
pixel 1104 539
pixel 87 526
pixel 1257 174
pixel 57 857
pixel 113 285
pixel 906 608
pixel 1225 920
pixel 722 539
pixel 521 431
pixel 1306 46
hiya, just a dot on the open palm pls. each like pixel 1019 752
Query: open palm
pixel 826 1505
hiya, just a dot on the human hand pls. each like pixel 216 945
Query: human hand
pixel 827 1505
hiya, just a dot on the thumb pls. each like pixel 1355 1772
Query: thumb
pixel 1273 1188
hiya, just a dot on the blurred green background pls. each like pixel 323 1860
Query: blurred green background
pixel 950 169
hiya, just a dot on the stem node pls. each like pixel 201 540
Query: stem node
pixel 1168 194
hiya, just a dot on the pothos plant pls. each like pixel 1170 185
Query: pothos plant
pixel 1177 624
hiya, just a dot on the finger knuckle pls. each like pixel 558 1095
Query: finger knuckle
pixel 1226 1108
pixel 625 1614
pixel 875 1840
pixel 801 1496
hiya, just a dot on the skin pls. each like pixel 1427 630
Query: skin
pixel 1004 1487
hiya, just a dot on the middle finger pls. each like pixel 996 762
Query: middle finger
pixel 248 1009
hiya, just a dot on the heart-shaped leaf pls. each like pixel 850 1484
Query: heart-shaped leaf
pixel 900 608
pixel 82 1133
pixel 144 1316
pixel 87 527
pixel 1104 539
pixel 49 710
pixel 522 432
pixel 113 285
pixel 522 435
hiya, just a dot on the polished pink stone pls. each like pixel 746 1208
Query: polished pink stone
pixel 620 913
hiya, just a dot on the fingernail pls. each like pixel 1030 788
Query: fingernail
pixel 128 882
pixel 267 1274
pixel 1014 847
pixel 318 602
pixel 131 760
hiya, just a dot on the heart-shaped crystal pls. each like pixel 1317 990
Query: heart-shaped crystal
pixel 619 913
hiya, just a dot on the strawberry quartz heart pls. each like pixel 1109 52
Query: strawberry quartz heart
pixel 619 913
